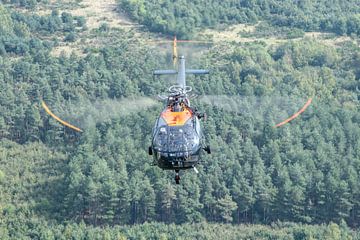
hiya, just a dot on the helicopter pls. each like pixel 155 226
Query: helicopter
pixel 177 138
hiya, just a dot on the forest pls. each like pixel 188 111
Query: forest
pixel 185 17
pixel 301 181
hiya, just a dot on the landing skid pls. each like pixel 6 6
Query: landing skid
pixel 177 177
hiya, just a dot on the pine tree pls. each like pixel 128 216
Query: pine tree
pixel 226 207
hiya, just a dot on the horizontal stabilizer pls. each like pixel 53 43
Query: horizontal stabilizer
pixel 165 72
pixel 197 71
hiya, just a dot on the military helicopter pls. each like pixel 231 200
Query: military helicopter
pixel 177 138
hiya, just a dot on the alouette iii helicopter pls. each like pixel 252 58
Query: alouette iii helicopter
pixel 177 138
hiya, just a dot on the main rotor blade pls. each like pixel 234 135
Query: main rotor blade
pixel 273 108
pixel 182 41
pixel 307 104
pixel 86 113
pixel 59 119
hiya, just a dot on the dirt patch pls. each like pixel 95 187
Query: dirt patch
pixel 105 11
pixel 229 34
pixel 67 50
pixel 329 38
pixel 96 13
pixel 234 34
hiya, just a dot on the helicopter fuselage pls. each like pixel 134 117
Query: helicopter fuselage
pixel 176 141
pixel 177 137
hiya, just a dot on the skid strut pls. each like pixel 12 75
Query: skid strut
pixel 177 177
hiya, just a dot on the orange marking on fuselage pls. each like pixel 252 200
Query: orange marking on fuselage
pixel 176 118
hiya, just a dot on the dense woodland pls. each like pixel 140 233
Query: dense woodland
pixel 57 183
pixel 185 17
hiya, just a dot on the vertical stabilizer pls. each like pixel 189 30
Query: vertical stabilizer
pixel 175 54
pixel 181 80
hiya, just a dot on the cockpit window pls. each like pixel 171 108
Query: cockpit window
pixel 197 126
pixel 160 122
pixel 176 138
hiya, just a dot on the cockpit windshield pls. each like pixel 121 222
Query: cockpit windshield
pixel 173 139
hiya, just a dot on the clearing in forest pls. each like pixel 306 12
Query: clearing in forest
pixel 104 11
pixel 96 13
pixel 234 33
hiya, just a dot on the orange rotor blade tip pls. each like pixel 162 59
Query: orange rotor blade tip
pixel 48 111
pixel 307 104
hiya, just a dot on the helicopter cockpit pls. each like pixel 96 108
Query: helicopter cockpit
pixel 176 138
pixel 178 145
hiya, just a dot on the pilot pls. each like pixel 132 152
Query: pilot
pixel 176 105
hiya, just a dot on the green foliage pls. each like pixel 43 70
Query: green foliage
pixel 185 17
pixel 55 183
pixel 6 21
pixel 38 229
pixel 71 37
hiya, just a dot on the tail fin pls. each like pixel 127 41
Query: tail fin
pixel 175 53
